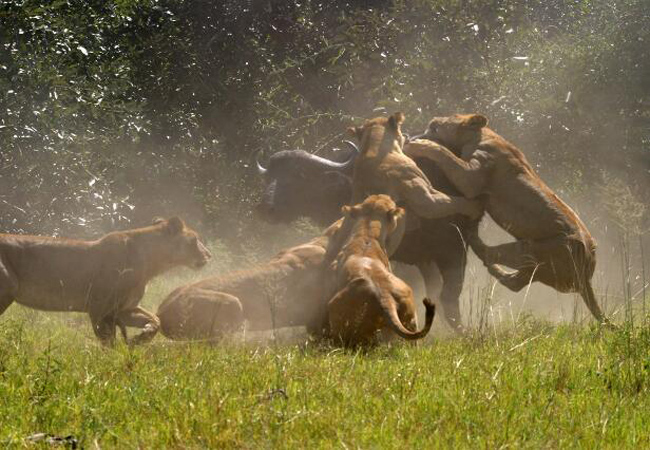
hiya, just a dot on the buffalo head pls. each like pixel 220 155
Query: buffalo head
pixel 299 184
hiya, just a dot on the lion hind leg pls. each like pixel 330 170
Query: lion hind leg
pixel 516 255
pixel 513 280
pixel 226 315
pixel 556 262
pixel 140 318
pixel 341 315
pixel 531 261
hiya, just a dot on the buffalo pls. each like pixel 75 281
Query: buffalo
pixel 299 184
pixel 290 192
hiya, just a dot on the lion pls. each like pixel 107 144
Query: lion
pixel 298 184
pixel 383 168
pixel 369 297
pixel 552 244
pixel 105 278
pixel 211 308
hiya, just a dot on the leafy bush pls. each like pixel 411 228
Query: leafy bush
pixel 117 111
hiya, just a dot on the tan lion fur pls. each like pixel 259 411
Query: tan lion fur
pixel 285 291
pixel 382 168
pixel 105 278
pixel 368 296
pixel 553 245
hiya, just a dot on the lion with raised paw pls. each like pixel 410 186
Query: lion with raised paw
pixel 553 246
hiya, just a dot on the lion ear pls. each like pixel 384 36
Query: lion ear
pixel 396 214
pixel 355 132
pixel 175 225
pixel 350 211
pixel 396 120
pixel 475 121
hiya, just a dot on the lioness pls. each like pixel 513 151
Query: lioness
pixel 382 168
pixel 553 245
pixel 369 296
pixel 105 278
pixel 212 307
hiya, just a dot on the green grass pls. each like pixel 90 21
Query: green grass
pixel 527 386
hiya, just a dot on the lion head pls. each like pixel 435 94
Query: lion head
pixel 381 217
pixel 455 131
pixel 380 132
pixel 376 207
pixel 188 250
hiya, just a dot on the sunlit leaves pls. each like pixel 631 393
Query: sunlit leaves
pixel 114 111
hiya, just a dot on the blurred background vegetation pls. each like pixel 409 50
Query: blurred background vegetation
pixel 112 112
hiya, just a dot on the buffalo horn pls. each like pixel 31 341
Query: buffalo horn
pixel 260 168
pixel 417 136
pixel 338 165
pixel 353 146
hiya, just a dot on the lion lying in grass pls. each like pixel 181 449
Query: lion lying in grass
pixel 369 297
pixel 553 245
pixel 105 278
pixel 286 291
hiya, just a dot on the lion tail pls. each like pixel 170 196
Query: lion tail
pixel 389 310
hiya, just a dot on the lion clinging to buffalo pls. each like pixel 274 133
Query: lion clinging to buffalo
pixel 341 283
pixel 557 249
pixel 382 168
pixel 553 245
pixel 298 184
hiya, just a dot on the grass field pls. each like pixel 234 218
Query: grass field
pixel 522 383
pixel 530 385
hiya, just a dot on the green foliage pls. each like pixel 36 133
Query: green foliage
pixel 531 387
pixel 113 112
